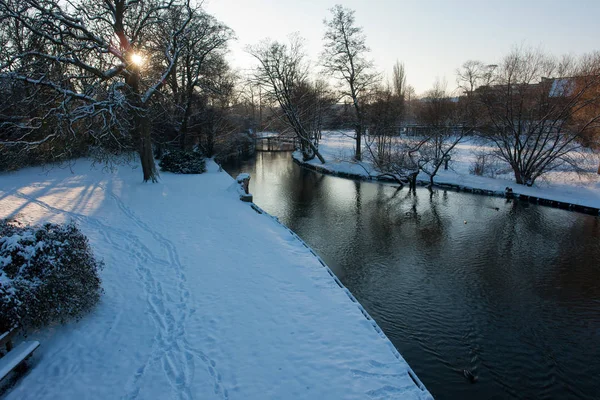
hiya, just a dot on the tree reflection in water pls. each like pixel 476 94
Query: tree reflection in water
pixel 513 294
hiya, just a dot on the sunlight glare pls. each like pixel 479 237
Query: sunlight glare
pixel 137 59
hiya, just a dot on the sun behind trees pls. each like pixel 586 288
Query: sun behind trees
pixel 84 75
pixel 105 78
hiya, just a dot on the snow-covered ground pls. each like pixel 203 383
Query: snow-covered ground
pixel 204 298
pixel 565 186
pixel 266 134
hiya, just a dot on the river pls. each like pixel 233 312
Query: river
pixel 505 289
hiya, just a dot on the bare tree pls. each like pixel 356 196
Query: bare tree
pixel 314 101
pixel 403 158
pixel 200 68
pixel 471 76
pixel 410 96
pixel 531 109
pixel 399 79
pixel 344 56
pixel 97 50
pixel 445 121
pixel 210 125
pixel 401 162
pixel 250 99
pixel 391 156
pixel 384 113
pixel 283 75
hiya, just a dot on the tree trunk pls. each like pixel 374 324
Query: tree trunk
pixel 518 176
pixel 145 147
pixel 412 182
pixel 303 143
pixel 358 154
pixel 316 151
pixel 185 121
pixel 210 142
pixel 524 178
pixel 141 128
pixel 598 169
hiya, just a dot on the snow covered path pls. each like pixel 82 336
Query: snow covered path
pixel 204 299
pixel 564 186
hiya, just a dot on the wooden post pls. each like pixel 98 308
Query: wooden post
pixel 243 190
pixel 446 159
pixel 6 341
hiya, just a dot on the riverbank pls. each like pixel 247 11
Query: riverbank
pixel 562 189
pixel 205 297
pixel 510 290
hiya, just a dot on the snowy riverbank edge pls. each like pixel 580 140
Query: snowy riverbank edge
pixel 520 192
pixel 364 312
pixel 205 297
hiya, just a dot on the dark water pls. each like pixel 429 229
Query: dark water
pixel 513 294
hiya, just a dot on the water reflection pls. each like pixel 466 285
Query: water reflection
pixel 456 281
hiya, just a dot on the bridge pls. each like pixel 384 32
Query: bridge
pixel 275 143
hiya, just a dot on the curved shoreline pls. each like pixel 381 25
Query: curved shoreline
pixel 458 188
pixel 360 307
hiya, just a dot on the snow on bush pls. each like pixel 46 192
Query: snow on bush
pixel 48 274
pixel 183 162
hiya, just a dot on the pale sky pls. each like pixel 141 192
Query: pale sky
pixel 432 37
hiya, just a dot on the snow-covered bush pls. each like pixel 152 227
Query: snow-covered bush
pixel 183 162
pixel 48 274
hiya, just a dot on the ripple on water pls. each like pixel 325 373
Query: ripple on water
pixel 512 295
